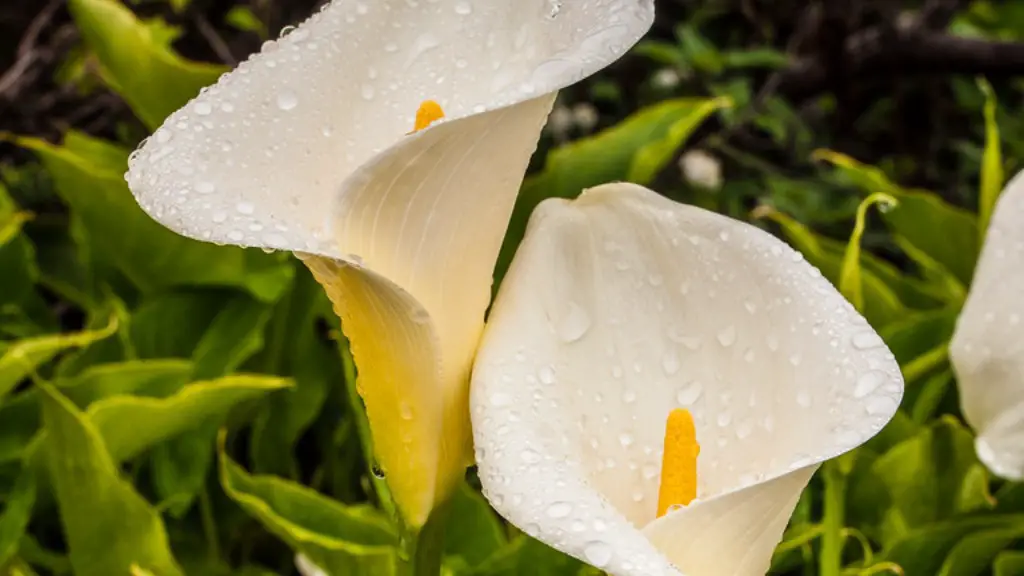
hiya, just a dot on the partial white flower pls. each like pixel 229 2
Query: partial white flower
pixel 560 122
pixel 585 116
pixel 622 306
pixel 307 147
pixel 987 350
pixel 701 168
pixel 667 78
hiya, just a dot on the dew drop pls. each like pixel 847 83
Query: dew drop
pixel 205 187
pixel 690 394
pixel 529 456
pixel 867 339
pixel 202 108
pixel 868 383
pixel 367 91
pixel 727 336
pixel 463 8
pixel 574 324
pixel 597 553
pixel 546 375
pixel 287 101
pixel 803 399
pixel 245 208
pixel 559 510
pixel 500 399
pixel 670 363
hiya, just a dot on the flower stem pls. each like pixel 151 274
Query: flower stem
pixel 423 551
pixel 831 557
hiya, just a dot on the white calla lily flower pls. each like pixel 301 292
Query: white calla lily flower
pixel 987 350
pixel 626 325
pixel 307 147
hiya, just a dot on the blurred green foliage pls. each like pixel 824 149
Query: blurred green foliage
pixel 176 407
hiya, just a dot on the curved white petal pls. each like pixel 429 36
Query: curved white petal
pixel 987 350
pixel 622 305
pixel 306 147
pixel 270 146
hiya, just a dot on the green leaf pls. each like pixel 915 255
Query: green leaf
pixel 20 419
pixel 924 478
pixel 924 551
pixel 850 284
pixel 945 233
pixel 473 533
pixel 21 358
pixel 143 378
pixel 16 513
pixel 151 78
pixel 1009 563
pixel 131 424
pixel 339 539
pixel 882 305
pixel 653 156
pixel 108 526
pixel 992 177
pixel 295 348
pixel 232 338
pixel 89 176
pixel 243 18
pixel 929 395
pixel 640 146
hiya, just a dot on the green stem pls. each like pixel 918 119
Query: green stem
pixel 423 551
pixel 831 558
pixel 358 411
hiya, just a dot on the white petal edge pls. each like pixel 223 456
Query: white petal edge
pixel 987 349
pixel 260 158
pixel 618 307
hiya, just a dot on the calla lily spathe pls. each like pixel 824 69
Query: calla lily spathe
pixel 307 147
pixel 987 350
pixel 621 306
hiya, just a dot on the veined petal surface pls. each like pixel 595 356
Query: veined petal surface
pixel 623 305
pixel 987 350
pixel 306 147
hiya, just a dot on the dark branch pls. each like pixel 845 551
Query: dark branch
pixel 909 50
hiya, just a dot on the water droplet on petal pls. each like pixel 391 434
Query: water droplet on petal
pixel 670 363
pixel 529 456
pixel 546 375
pixel 691 393
pixel 727 336
pixel 867 339
pixel 463 8
pixel 597 553
pixel 559 510
pixel 575 323
pixel 287 101
pixel 867 383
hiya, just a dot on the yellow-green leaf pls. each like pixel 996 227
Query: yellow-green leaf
pixel 89 176
pixel 850 273
pixel 945 233
pixel 151 78
pixel 21 358
pixel 992 178
pixel 339 539
pixel 130 424
pixel 108 526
